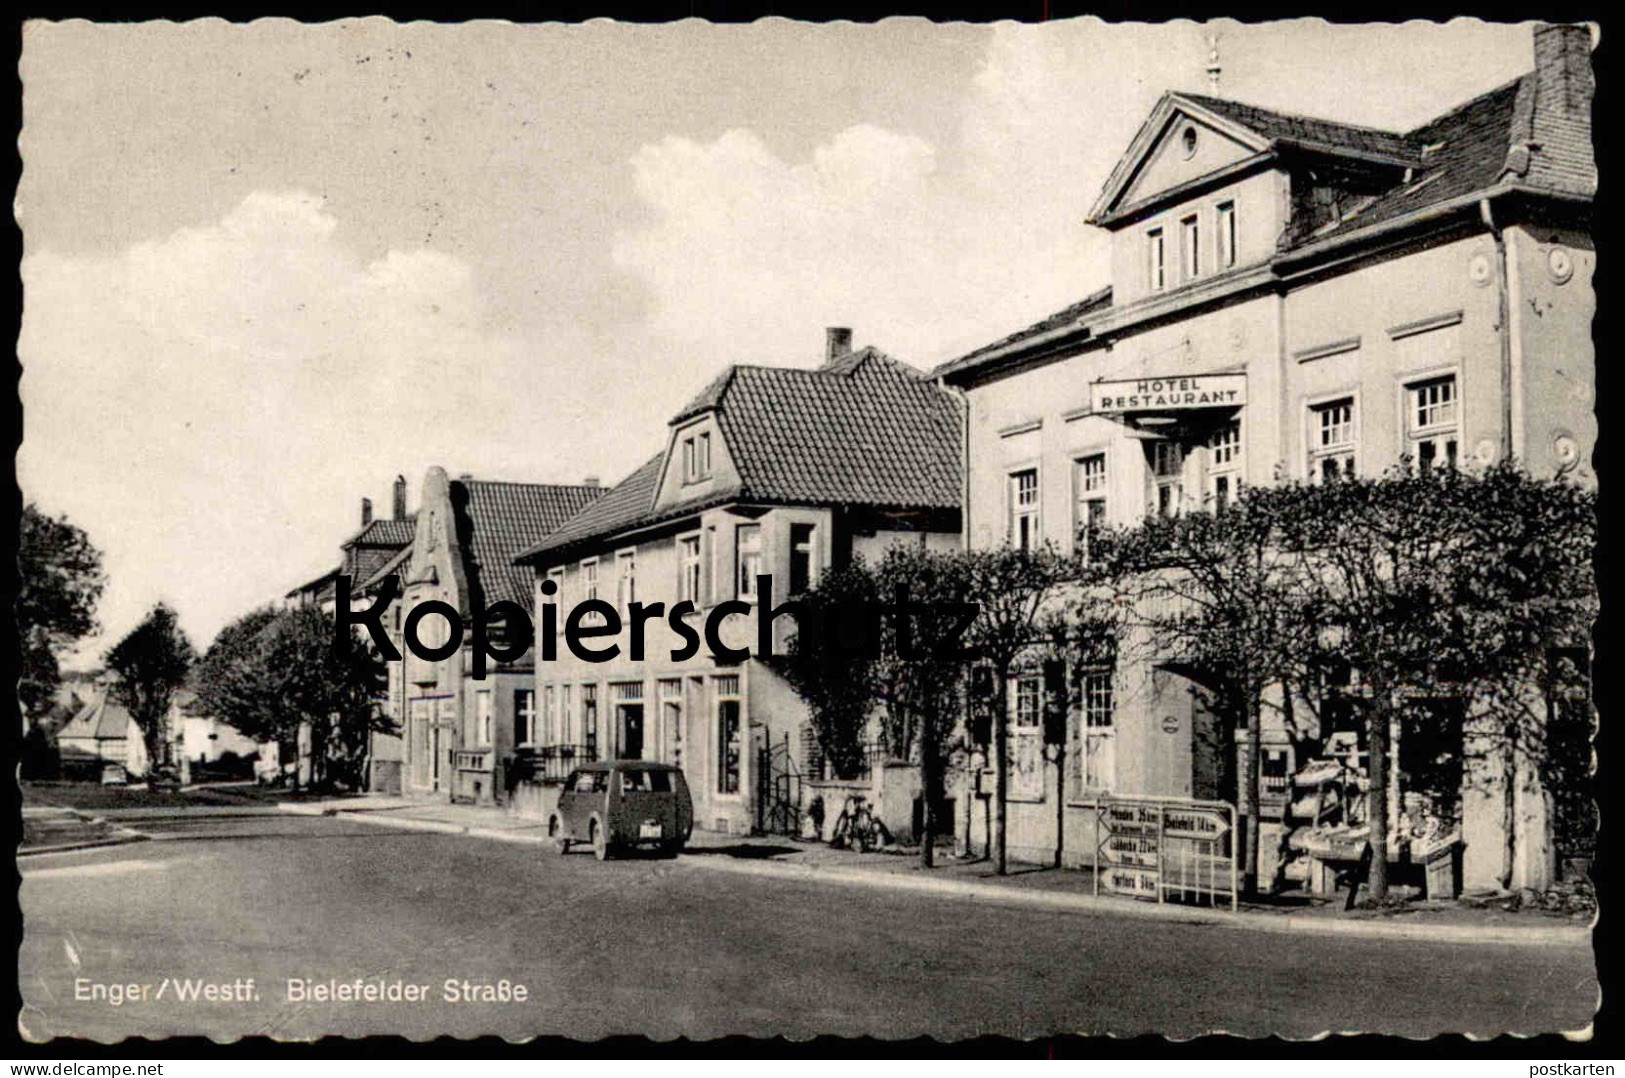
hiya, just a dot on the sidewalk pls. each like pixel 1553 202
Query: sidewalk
pixel 54 829
pixel 1030 886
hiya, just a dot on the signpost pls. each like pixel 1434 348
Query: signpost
pixel 1149 846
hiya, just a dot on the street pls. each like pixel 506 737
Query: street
pixel 667 949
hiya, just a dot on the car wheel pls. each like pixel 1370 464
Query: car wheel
pixel 555 831
pixel 598 835
pixel 672 849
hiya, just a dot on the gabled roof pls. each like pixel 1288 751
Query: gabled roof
pixel 1508 138
pixel 864 429
pixel 625 504
pixel 1305 132
pixel 317 588
pixel 393 565
pixel 497 520
pixel 1263 131
pixel 101 719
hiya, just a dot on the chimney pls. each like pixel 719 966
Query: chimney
pixel 837 343
pixel 590 481
pixel 400 497
pixel 1563 77
pixel 366 511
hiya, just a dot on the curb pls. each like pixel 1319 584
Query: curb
pixel 94 844
pixel 408 823
pixel 1280 924
pixel 1089 904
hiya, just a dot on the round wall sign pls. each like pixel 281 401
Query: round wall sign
pixel 1170 724
pixel 1565 449
pixel 1478 269
pixel 1559 265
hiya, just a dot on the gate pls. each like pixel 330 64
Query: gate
pixel 1166 846
pixel 778 789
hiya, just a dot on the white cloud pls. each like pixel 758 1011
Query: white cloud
pixel 203 402
pixel 923 250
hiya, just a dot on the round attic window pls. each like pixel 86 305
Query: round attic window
pixel 1187 140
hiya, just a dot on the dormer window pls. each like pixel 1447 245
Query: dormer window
pixel 1190 253
pixel 1157 276
pixel 697 457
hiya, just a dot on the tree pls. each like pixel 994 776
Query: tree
pixel 59 583
pixel 1447 582
pixel 832 661
pixel 271 672
pixel 1011 588
pixel 921 669
pixel 148 666
pixel 1221 591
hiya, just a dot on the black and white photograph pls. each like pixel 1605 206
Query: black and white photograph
pixel 892 530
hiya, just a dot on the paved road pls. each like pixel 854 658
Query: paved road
pixel 668 949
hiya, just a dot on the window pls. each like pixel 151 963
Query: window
pixel 589 720
pixel 1027 702
pixel 1224 464
pixel 1027 738
pixel 1331 440
pixel 688 569
pixel 589 590
pixel 549 714
pixel 482 717
pixel 567 717
pixel 1099 734
pixel 636 781
pixel 1167 477
pixel 1089 487
pixel 1024 509
pixel 803 559
pixel 524 716
pixel 714 587
pixel 697 457
pixel 747 560
pixel 1431 423
pixel 557 577
pixel 671 717
pixel 626 580
pixel 1190 254
pixel 1157 273
pixel 1227 234
pixel 728 739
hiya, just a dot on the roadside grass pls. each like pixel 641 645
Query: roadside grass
pixel 94 797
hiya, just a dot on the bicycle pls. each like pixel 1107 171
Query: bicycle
pixel 858 827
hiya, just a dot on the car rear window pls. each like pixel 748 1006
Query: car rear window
pixel 646 782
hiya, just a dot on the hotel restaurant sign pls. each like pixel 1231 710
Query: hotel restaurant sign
pixel 1169 394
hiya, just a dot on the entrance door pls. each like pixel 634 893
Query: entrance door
pixel 631 731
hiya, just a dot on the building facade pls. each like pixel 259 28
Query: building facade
pixel 1300 299
pixel 456 730
pixel 768 472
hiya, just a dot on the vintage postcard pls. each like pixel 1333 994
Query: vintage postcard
pixel 896 530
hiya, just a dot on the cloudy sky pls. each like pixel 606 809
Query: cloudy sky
pixel 268 267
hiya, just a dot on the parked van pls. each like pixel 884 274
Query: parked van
pixel 620 804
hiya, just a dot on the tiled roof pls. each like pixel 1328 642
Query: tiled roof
pixel 866 430
pixel 102 719
pixel 386 532
pixel 496 521
pixel 1307 130
pixel 318 588
pixel 625 504
pixel 862 430
pixel 1097 301
pixel 393 565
